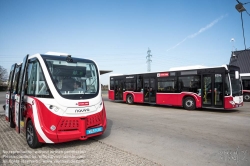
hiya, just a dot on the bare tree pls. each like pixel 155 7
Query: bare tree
pixel 3 74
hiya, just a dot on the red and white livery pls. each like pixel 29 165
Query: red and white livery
pixel 54 98
pixel 246 86
pixel 189 87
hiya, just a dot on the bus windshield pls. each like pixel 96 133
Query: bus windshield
pixel 236 84
pixel 74 80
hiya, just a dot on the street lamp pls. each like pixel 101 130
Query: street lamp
pixel 240 8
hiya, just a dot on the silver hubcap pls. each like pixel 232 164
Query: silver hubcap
pixel 189 103
pixel 130 99
pixel 247 97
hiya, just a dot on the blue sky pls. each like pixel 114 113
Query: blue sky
pixel 117 33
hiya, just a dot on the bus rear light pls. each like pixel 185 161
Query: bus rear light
pixel 52 128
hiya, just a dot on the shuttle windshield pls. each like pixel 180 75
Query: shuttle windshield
pixel 73 78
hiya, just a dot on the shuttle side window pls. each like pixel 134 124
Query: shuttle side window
pixel 36 84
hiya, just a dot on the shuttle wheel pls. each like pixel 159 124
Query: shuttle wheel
pixel 130 99
pixel 246 96
pixel 189 103
pixel 31 136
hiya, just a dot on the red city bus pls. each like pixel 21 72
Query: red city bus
pixel 54 98
pixel 215 87
pixel 246 86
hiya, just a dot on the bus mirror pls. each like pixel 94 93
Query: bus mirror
pixel 237 75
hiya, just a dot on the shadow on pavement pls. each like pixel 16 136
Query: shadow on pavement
pixel 107 131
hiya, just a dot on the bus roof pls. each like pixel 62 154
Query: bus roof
pixel 56 53
pixel 176 69
pixel 187 67
pixel 244 74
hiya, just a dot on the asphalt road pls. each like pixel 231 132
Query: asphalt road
pixel 159 135
pixel 174 136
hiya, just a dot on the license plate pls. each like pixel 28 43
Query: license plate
pixel 94 130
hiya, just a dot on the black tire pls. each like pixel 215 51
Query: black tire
pixel 31 136
pixel 12 123
pixel 189 103
pixel 130 99
pixel 246 97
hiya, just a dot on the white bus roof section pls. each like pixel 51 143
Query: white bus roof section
pixel 111 75
pixel 187 68
pixel 244 74
pixel 194 67
pixel 56 53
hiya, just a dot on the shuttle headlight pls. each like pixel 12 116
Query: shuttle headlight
pixel 56 109
pixel 98 106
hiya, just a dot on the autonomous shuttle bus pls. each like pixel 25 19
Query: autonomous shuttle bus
pixel 54 98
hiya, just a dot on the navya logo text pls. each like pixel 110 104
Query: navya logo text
pixel 82 110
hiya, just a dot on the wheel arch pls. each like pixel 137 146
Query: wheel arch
pixel 128 94
pixel 197 101
pixel 189 95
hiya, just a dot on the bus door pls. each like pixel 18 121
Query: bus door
pixel 212 90
pixel 20 96
pixel 149 91
pixel 119 86
pixel 9 95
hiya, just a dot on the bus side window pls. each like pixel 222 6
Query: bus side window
pixel 36 84
pixel 31 74
pixel 139 84
pixel 111 85
pixel 189 84
pixel 246 84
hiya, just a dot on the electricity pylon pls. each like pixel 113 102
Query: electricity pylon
pixel 149 60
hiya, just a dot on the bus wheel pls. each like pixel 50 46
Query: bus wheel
pixel 246 96
pixel 31 136
pixel 130 99
pixel 12 123
pixel 189 103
